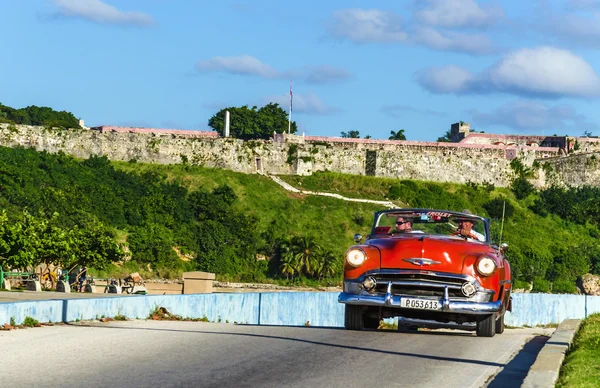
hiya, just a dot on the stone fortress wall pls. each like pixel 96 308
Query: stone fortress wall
pixel 477 158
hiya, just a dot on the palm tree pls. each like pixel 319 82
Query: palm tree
pixel 397 135
pixel 289 264
pixel 326 263
pixel 446 138
pixel 330 263
pixel 305 250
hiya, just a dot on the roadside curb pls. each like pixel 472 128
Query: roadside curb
pixel 544 371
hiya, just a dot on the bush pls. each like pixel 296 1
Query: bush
pixel 540 285
pixel 563 286
pixel 30 322
pixel 522 188
pixel 520 285
pixel 495 206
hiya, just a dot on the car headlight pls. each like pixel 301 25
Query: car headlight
pixel 356 257
pixel 486 266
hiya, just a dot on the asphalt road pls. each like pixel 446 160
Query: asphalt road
pixel 197 354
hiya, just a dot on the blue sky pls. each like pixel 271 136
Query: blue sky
pixel 514 67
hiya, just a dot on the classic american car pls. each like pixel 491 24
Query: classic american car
pixel 430 268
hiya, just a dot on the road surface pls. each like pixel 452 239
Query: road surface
pixel 198 354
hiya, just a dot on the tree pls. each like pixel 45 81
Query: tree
pixel 35 115
pixel 397 135
pixel 447 138
pixel 253 123
pixel 38 240
pixel 351 135
pixel 328 263
pixel 301 255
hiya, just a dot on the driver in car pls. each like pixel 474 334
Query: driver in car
pixel 465 229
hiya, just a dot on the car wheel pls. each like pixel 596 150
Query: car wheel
pixel 500 325
pixel 486 326
pixel 353 317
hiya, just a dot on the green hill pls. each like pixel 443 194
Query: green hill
pixel 179 217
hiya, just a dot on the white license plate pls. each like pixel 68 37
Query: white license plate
pixel 421 304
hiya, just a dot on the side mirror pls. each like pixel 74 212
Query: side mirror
pixel 358 237
pixel 503 247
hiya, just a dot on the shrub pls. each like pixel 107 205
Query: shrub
pixel 495 206
pixel 359 219
pixel 540 285
pixel 520 285
pixel 563 286
pixel 522 188
pixel 30 322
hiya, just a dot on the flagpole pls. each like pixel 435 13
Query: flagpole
pixel 290 118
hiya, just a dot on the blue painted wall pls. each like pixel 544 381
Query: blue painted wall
pixel 43 311
pixel 276 308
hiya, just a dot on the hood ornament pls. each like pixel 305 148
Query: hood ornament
pixel 421 262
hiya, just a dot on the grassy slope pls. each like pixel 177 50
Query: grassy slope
pixel 333 222
pixel 581 366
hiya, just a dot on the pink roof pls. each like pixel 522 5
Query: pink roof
pixel 185 132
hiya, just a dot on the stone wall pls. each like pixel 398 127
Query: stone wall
pixel 290 154
pixel 576 170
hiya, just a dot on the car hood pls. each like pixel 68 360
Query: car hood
pixel 435 253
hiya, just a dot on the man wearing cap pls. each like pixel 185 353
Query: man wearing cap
pixel 465 228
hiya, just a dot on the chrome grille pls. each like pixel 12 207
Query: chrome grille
pixel 419 284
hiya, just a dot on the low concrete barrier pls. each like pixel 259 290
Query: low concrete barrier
pixel 271 308
pixel 43 311
pixel 545 370
pixel 544 309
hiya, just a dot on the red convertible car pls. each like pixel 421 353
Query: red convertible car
pixel 430 268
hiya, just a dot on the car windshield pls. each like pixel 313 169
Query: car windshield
pixel 454 225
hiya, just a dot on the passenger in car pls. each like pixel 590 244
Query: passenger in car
pixel 403 225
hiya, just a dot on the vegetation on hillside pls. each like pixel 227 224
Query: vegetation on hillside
pixel 552 234
pixel 245 227
pixel 173 218
pixel 35 115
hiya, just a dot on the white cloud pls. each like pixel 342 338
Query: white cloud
pixel 541 71
pixel 248 65
pixel 452 41
pixel 458 13
pixel 545 70
pixel 577 27
pixel 534 116
pixel 303 103
pixel 100 12
pixel 367 25
pixel 243 65
pixel 377 26
pixel 445 79
pixel 326 75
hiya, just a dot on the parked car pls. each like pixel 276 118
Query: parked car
pixel 434 268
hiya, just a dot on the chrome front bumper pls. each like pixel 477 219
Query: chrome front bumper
pixel 447 305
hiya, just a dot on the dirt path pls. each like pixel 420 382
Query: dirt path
pixel 291 188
